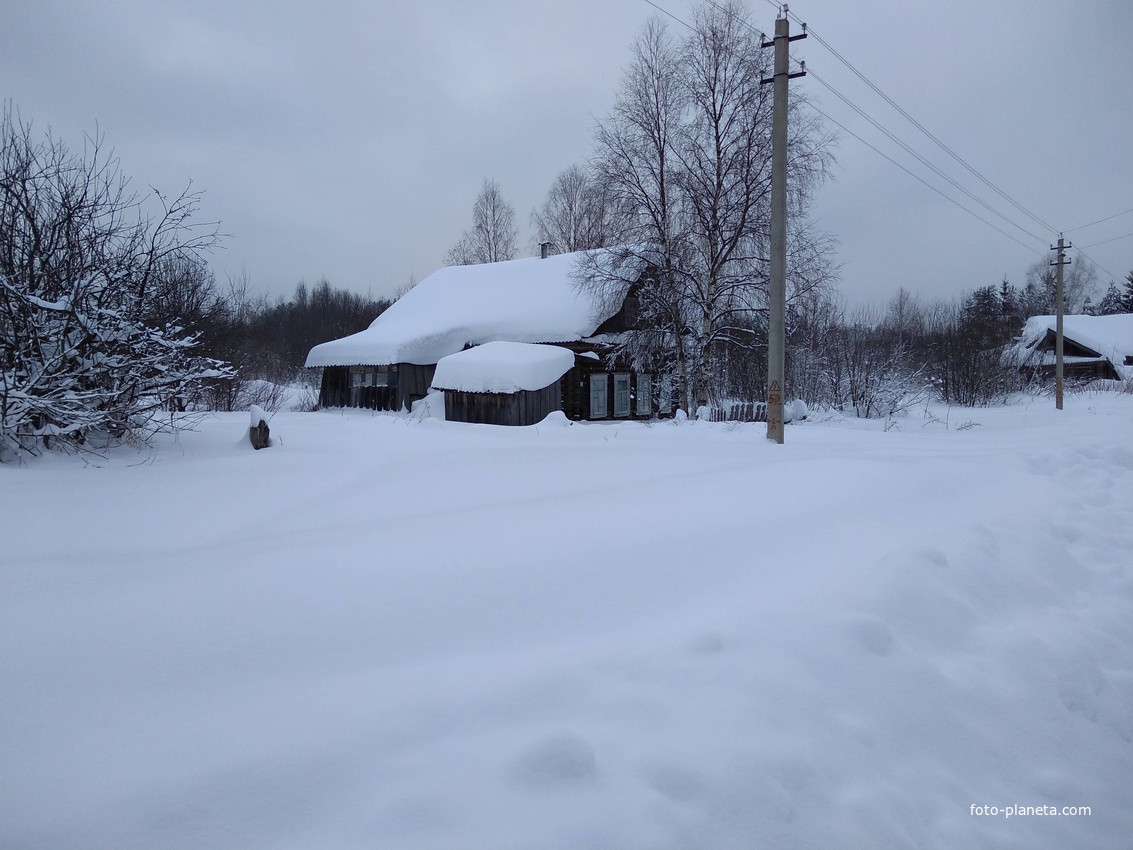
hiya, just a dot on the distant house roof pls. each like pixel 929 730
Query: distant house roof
pixel 528 300
pixel 503 367
pixel 1086 338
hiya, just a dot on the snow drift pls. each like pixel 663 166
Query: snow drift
pixel 420 634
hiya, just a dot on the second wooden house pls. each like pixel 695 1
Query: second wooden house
pixel 1094 347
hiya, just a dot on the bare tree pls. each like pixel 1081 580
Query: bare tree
pixel 871 372
pixel 963 350
pixel 905 316
pixel 1079 283
pixel 493 236
pixel 182 290
pixel 635 158
pixel 812 323
pixel 687 149
pixel 580 213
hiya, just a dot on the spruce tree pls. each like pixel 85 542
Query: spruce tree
pixel 1111 302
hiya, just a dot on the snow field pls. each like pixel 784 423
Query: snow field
pixel 416 634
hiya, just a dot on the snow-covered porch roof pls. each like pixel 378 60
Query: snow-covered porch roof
pixel 503 367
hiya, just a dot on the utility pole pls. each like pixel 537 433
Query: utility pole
pixel 776 324
pixel 1059 309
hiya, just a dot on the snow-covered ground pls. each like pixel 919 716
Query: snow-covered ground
pixel 391 633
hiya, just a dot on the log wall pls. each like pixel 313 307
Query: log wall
pixel 525 407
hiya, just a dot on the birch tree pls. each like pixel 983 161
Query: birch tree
pixel 493 236
pixel 687 150
pixel 635 158
pixel 580 213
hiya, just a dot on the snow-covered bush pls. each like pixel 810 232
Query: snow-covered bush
pixel 871 373
pixel 966 358
pixel 80 354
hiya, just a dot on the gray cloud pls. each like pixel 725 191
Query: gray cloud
pixel 349 138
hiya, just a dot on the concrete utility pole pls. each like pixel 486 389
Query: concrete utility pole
pixel 776 324
pixel 1059 309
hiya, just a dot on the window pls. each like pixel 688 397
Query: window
pixel 360 378
pixel 598 384
pixel 621 394
pixel 632 311
pixel 644 395
pixel 665 402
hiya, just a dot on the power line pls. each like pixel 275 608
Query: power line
pixel 924 130
pixel 1099 221
pixel 925 182
pixel 1107 241
pixel 948 150
pixel 906 147
pixel 670 14
pixel 922 160
pixel 1096 263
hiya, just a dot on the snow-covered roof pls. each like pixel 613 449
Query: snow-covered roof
pixel 528 300
pixel 1110 336
pixel 503 367
pixel 1049 358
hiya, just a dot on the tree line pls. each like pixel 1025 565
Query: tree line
pixel 266 342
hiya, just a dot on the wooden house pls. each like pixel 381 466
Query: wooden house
pixel 1093 347
pixel 393 363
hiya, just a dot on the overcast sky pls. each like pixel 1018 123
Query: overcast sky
pixel 349 139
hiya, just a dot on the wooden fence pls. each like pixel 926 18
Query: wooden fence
pixel 739 411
